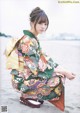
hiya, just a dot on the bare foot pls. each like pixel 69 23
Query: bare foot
pixel 70 75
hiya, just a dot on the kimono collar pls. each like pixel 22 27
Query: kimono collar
pixel 26 32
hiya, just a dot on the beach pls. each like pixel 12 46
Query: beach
pixel 65 53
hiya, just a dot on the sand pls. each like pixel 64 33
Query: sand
pixel 67 54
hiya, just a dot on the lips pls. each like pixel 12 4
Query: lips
pixel 42 30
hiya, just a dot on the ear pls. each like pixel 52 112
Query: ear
pixel 32 24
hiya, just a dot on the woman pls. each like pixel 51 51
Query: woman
pixel 37 77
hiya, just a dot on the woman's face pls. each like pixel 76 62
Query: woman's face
pixel 41 27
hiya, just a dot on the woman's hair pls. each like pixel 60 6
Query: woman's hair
pixel 38 16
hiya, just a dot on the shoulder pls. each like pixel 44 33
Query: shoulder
pixel 28 39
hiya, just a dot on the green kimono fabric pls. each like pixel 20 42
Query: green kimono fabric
pixel 35 76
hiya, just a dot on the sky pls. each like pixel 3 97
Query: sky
pixel 63 17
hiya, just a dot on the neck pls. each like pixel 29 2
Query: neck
pixel 34 32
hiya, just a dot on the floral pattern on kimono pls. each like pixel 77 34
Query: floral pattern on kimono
pixel 35 78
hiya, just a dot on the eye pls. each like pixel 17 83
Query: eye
pixel 46 24
pixel 42 23
pixel 39 22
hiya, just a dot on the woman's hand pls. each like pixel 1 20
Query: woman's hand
pixel 64 72
pixel 69 75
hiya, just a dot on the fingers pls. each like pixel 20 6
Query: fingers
pixel 72 76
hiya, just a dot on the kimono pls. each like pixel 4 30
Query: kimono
pixel 33 71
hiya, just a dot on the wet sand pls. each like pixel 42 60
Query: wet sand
pixel 67 54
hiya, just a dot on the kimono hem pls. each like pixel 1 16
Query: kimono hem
pixel 33 71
